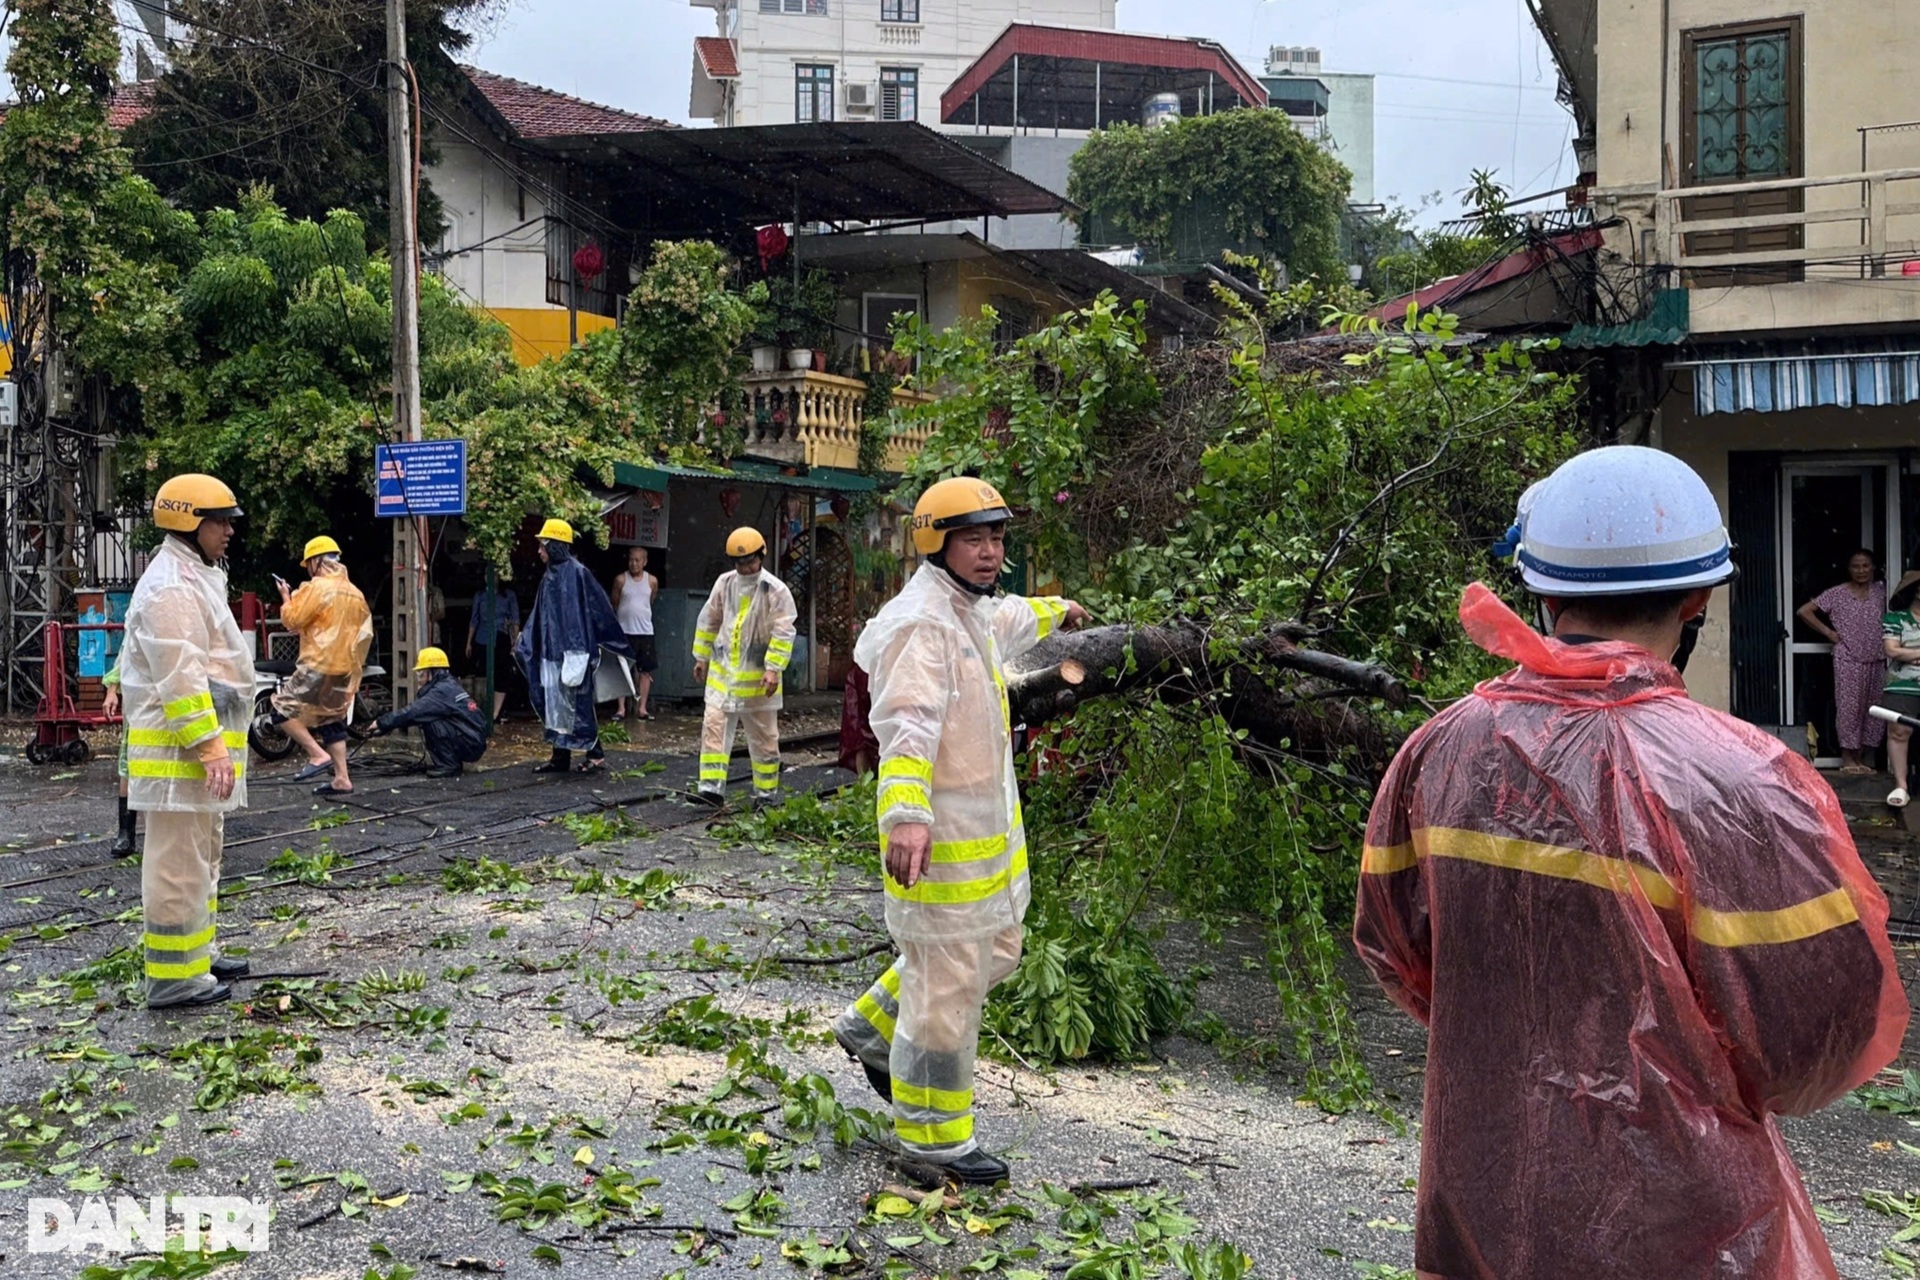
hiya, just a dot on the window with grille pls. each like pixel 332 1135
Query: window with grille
pixel 899 93
pixel 899 10
pixel 796 8
pixel 812 93
pixel 1741 110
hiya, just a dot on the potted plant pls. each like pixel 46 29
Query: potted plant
pixel 764 339
pixel 803 313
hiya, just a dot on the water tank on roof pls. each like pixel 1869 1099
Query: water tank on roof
pixel 1160 109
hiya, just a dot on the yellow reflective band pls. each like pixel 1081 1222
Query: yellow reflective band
pixel 899 793
pixel 175 769
pixel 767 766
pixel 767 784
pixel 180 707
pixel 960 892
pixel 907 767
pixel 213 906
pixel 935 1135
pixel 890 980
pixel 168 738
pixel 179 941
pixel 1047 613
pixel 969 850
pixel 739 622
pixel 1378 861
pixel 882 1021
pixel 778 646
pixel 712 773
pixel 931 1099
pixel 713 757
pixel 1546 860
pixel 1788 924
pixel 191 969
pixel 201 726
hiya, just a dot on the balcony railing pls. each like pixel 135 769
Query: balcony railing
pixel 1847 226
pixel 815 419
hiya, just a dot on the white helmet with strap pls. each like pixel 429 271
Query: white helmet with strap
pixel 1624 520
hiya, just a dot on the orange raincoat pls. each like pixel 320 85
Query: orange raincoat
pixel 1636 929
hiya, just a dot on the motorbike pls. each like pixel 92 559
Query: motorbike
pixel 269 741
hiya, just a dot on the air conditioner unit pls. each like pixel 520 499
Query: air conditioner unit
pixel 859 95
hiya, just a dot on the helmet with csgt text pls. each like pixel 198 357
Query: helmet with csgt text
pixel 431 658
pixel 556 531
pixel 745 541
pixel 955 504
pixel 1624 520
pixel 184 501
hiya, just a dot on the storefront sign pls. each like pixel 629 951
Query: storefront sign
pixel 640 521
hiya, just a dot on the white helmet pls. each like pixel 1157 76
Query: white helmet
pixel 1622 521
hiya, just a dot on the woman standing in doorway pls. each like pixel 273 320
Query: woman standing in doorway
pixel 1850 617
pixel 1901 629
pixel 633 595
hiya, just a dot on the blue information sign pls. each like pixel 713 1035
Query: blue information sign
pixel 420 478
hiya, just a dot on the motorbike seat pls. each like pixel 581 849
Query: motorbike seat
pixel 274 666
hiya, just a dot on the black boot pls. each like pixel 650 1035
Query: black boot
pixel 123 839
pixel 560 762
pixel 444 771
pixel 976 1168
pixel 881 1081
pixel 227 968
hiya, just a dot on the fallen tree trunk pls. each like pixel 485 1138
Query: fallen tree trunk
pixel 1284 696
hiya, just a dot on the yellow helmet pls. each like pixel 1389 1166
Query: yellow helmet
pixel 557 531
pixel 320 546
pixel 955 504
pixel 431 659
pixel 745 541
pixel 184 501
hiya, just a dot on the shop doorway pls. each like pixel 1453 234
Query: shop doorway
pixel 1829 510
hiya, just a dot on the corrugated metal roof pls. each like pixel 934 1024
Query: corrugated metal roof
pixel 655 476
pixel 1664 325
pixel 1069 45
pixel 695 181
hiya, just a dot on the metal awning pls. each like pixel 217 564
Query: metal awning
pixel 694 181
pixel 654 476
pixel 1783 383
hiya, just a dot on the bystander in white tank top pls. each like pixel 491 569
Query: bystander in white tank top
pixel 636 605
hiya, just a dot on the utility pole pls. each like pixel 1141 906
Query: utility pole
pixel 409 532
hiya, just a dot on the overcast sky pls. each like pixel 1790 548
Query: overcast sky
pixel 1464 84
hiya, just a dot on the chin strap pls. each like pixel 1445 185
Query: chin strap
pixel 193 540
pixel 940 558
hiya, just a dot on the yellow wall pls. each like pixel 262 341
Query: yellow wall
pixel 540 333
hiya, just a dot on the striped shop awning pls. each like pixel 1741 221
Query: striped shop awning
pixel 1804 382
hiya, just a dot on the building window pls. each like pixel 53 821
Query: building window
pixel 899 10
pixel 899 93
pixel 795 8
pixel 1741 103
pixel 812 93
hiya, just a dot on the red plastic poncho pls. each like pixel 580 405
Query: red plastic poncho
pixel 1636 929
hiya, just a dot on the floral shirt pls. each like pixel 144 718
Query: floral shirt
pixel 1857 619
pixel 1904 630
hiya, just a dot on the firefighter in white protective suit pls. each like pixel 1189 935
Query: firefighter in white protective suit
pixel 742 643
pixel 186 682
pixel 949 817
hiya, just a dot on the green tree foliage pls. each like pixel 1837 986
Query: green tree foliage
pixel 1422 258
pixel 78 229
pixel 276 375
pixel 1237 485
pixel 289 93
pixel 1249 174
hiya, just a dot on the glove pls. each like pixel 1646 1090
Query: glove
pixel 573 670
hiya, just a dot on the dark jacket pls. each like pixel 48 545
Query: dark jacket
pixel 450 721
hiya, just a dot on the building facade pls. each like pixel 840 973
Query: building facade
pixel 1754 168
pixel 1333 107
pixel 788 61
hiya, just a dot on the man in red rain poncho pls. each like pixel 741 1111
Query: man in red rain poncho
pixel 1636 928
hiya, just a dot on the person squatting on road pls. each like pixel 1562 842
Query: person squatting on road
pixel 741 644
pixel 559 651
pixel 336 629
pixel 448 718
pixel 1636 928
pixel 186 682
pixel 949 816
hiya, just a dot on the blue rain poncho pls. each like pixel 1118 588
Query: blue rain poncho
pixel 560 649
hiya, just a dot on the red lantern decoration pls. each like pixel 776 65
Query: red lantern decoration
pixel 729 501
pixel 839 505
pixel 589 261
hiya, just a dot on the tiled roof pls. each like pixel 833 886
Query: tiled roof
pixel 717 57
pixel 130 102
pixel 533 112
